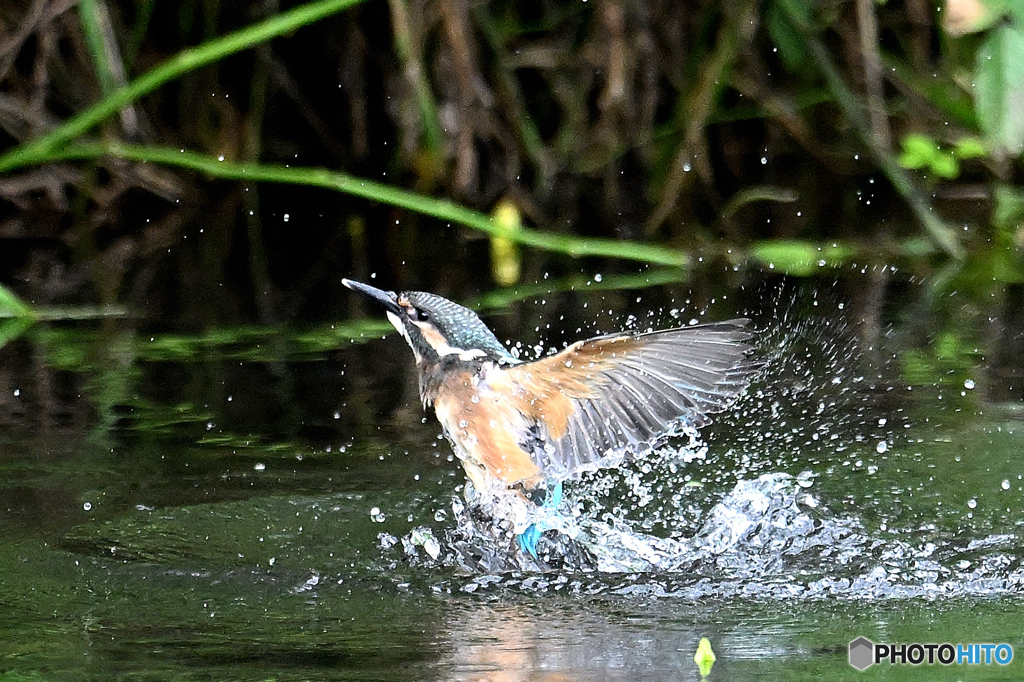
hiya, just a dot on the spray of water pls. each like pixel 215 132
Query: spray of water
pixel 738 510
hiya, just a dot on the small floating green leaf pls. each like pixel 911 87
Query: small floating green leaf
pixel 705 657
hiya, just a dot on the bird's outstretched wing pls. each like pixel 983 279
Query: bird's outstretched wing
pixel 605 397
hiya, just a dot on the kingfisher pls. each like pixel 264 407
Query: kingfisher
pixel 527 426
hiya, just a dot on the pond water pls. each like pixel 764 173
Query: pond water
pixel 272 504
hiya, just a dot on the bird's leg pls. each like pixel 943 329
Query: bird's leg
pixel 547 497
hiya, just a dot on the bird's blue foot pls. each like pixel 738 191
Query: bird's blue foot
pixel 528 540
pixel 554 496
pixel 529 537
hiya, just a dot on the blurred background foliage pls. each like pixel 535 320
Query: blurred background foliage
pixel 207 162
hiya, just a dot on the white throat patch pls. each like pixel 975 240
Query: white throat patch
pixel 396 322
pixel 436 341
pixel 442 348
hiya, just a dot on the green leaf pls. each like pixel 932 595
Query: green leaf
pixel 12 328
pixel 787 39
pixel 12 306
pixel 1007 266
pixel 999 89
pixel 918 151
pixel 1009 209
pixel 969 148
pixel 800 258
pixel 921 151
pixel 945 165
pixel 950 347
pixel 945 94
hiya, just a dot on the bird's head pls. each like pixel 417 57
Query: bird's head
pixel 435 328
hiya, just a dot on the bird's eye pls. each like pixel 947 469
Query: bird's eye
pixel 420 315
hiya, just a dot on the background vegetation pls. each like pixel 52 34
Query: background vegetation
pixel 209 162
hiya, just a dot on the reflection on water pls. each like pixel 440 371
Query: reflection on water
pixel 275 505
pixel 512 642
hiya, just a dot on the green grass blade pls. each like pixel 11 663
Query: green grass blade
pixel 12 328
pixel 441 209
pixel 12 306
pixel 187 60
pixel 91 16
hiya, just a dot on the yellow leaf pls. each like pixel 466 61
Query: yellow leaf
pixel 506 265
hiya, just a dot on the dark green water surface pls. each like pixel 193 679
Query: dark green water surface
pixel 241 504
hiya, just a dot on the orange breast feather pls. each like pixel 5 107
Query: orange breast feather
pixel 488 417
pixel 483 423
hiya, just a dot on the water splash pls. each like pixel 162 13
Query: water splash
pixel 746 531
pixel 768 537
pixel 683 520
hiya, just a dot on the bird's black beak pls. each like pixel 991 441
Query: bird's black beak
pixel 387 299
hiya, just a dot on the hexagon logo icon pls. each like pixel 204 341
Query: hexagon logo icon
pixel 862 653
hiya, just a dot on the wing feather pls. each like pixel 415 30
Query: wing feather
pixel 609 397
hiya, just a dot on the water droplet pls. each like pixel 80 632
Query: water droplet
pixel 972 503
pixel 969 384
pixel 440 515
pixel 87 506
pixel 463 423
pixel 1006 484
pixel 881 447
pixel 260 466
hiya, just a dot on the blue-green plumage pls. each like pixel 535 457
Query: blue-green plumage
pixel 459 325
